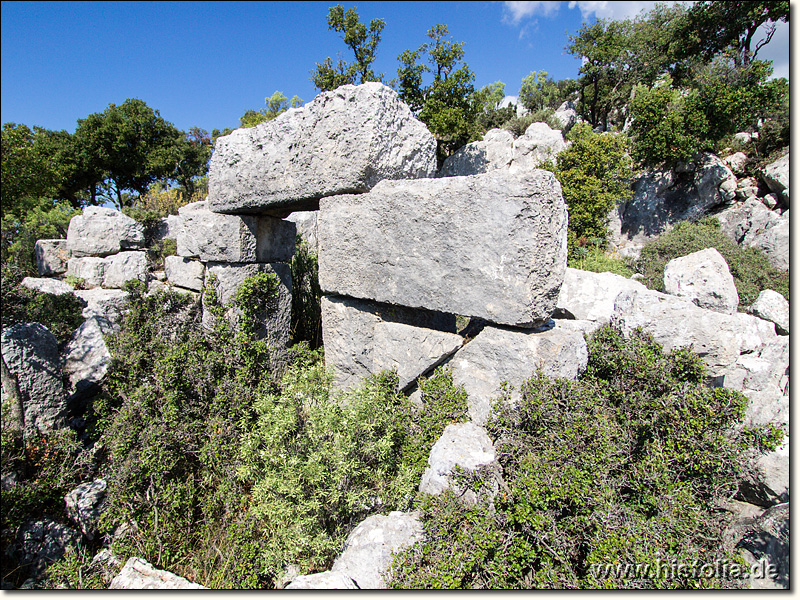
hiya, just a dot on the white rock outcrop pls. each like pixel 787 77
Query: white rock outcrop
pixel 101 231
pixel 138 574
pixel 704 279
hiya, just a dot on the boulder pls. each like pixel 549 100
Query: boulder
pixel 765 547
pixel 774 242
pixel 125 266
pixel 46 285
pixel 736 162
pixel 743 222
pixel 499 150
pixel 491 246
pixel 327 580
pixel 276 324
pixel 184 272
pixel 776 176
pixel 360 340
pixel 169 227
pixel 567 115
pixel 704 279
pixel 91 269
pixel 84 506
pixel 213 237
pixel 138 574
pixel 107 305
pixel 663 198
pixel 770 201
pixel 464 445
pixel 369 549
pixel 590 296
pixel 772 306
pixel 30 354
pixel 41 543
pixel 498 355
pixel 716 337
pixel 306 223
pixel 746 188
pixel 344 141
pixel 86 358
pixel 101 231
pixel 51 257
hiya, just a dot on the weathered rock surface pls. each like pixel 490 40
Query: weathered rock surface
pixel 663 198
pixel 774 242
pixel 275 327
pixel 704 279
pixel 717 338
pixel 184 272
pixel 46 285
pixel 138 574
pixel 498 355
pixel 51 257
pixel 344 141
pixel 465 445
pixel 359 341
pixel 776 176
pixel 411 351
pixel 107 305
pixel 306 223
pixel 41 543
pixel 327 580
pixel 499 150
pixel 84 506
pixel 86 358
pixel 767 540
pixel 91 269
pixel 590 296
pixel 567 115
pixel 736 162
pixel 214 237
pixel 101 231
pixel 125 266
pixel 772 306
pixel 491 246
pixel 742 222
pixel 30 352
pixel 368 551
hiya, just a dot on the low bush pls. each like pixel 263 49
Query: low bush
pixel 751 270
pixel 592 258
pixel 625 466
pixel 306 296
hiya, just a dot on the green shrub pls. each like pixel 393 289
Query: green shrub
pixel 592 258
pixel 306 296
pixel 518 125
pixel 751 270
pixel 624 466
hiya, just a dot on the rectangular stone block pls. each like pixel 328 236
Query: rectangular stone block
pixel 492 246
pixel 51 257
pixel 101 231
pixel 214 237
pixel 184 272
pixel 89 268
pixel 125 266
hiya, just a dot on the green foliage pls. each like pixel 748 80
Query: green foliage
pixel 592 258
pixel 752 272
pixel 306 296
pixel 595 173
pixel 539 91
pixel 362 41
pixel 275 105
pixel 518 125
pixel 623 466
pixel 76 571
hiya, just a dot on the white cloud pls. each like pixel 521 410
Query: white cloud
pixel 518 10
pixel 612 10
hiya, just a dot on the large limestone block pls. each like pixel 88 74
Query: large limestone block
pixel 51 257
pixel 772 306
pixel 184 272
pixel 344 141
pixel 101 231
pixel 137 574
pixel 776 176
pixel 47 285
pixel 590 296
pixel 359 341
pixel 742 222
pixel 125 266
pixel 464 445
pixel 717 338
pixel 91 269
pixel 327 580
pixel 369 549
pixel 30 356
pixel 774 242
pixel 276 325
pixel 498 355
pixel 704 279
pixel 86 358
pixel 107 305
pixel 492 246
pixel 213 237
pixel 540 143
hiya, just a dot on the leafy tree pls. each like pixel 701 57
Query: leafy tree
pixel 361 40
pixel 713 26
pixel 448 105
pixel 275 105
pixel 539 91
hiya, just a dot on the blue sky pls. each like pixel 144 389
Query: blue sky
pixel 205 63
